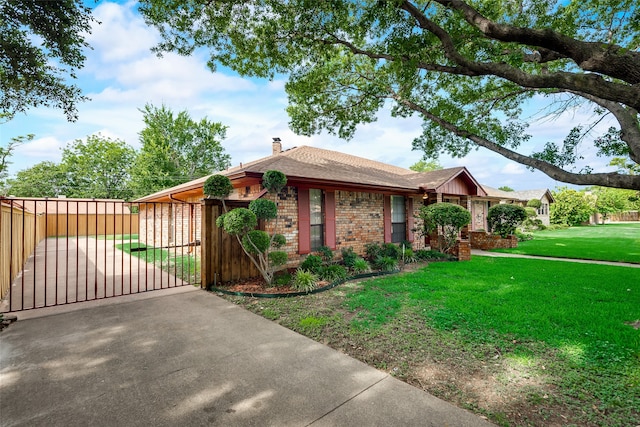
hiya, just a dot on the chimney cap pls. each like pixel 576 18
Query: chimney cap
pixel 276 139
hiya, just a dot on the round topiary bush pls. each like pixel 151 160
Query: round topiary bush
pixel 277 258
pixel 239 221
pixel 256 241
pixel 217 186
pixel 274 181
pixel 504 218
pixel 264 209
pixel 278 241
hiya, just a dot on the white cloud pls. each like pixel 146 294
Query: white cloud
pixel 121 34
pixel 513 169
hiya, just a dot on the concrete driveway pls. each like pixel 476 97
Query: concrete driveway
pixel 189 358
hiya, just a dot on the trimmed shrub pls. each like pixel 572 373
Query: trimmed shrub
pixel 312 263
pixel 283 278
pixel 264 209
pixel 278 241
pixel 217 186
pixel 220 221
pixel 256 241
pixel 504 218
pixel 304 281
pixel 445 218
pixel 274 181
pixel 278 258
pixel 240 221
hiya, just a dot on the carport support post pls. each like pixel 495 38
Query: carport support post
pixel 210 257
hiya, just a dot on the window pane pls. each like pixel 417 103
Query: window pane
pixel 397 209
pixel 317 238
pixel 398 232
pixel 315 202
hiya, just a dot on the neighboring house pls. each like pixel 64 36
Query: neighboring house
pixel 331 199
pixel 494 196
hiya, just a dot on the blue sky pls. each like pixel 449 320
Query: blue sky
pixel 121 75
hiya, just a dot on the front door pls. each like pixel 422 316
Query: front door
pixel 479 214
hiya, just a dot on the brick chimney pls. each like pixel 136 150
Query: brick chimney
pixel 276 146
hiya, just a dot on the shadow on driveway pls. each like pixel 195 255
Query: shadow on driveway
pixel 191 358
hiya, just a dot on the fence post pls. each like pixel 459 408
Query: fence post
pixel 209 232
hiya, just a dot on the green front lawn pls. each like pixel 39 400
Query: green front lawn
pixel 521 341
pixel 183 266
pixel 609 242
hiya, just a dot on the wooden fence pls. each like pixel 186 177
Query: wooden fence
pixel 91 224
pixel 223 259
pixel 20 233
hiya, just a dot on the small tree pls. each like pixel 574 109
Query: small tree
pixel 259 246
pixel 571 207
pixel 504 218
pixel 610 201
pixel 447 219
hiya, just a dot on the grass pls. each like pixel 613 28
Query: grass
pixel 117 237
pixel 521 341
pixel 609 242
pixel 185 267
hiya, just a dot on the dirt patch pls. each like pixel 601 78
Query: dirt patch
pixel 634 325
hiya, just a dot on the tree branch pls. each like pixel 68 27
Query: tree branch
pixel 587 83
pixel 603 58
pixel 615 180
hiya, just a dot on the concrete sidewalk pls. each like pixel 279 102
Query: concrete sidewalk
pixel 479 252
pixel 192 358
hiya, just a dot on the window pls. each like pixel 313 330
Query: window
pixel 316 218
pixel 398 219
pixel 543 209
pixel 454 200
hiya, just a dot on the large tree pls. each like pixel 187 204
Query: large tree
pixel 176 149
pixel 98 167
pixel 5 156
pixel 466 67
pixel 44 179
pixel 41 48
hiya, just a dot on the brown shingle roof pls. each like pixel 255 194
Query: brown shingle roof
pixel 311 163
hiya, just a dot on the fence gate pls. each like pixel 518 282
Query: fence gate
pixel 63 251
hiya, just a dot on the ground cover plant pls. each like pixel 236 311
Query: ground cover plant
pixel 182 265
pixel 519 341
pixel 609 242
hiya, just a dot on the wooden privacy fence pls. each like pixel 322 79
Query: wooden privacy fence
pixel 20 233
pixel 223 259
pixel 90 224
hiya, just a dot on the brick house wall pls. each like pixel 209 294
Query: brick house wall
pixel 359 218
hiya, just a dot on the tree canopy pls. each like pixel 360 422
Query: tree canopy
pixel 98 167
pixel 44 179
pixel 466 68
pixel 176 149
pixel 425 166
pixel 40 49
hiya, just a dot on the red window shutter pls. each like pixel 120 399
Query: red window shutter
pixel 410 219
pixel 304 221
pixel 330 219
pixel 387 219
